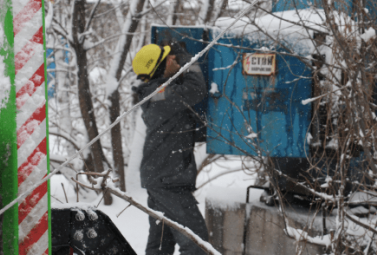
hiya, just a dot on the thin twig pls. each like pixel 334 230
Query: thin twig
pixel 65 194
pixel 82 158
pixel 87 169
pixel 123 210
pixel 91 15
pixel 104 194
pixel 57 199
pixel 162 235
pixel 68 139
pixel 217 176
pixel 367 227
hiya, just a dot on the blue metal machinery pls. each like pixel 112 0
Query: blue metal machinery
pixel 268 106
pixel 51 75
pixel 51 65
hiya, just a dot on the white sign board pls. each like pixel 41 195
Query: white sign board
pixel 259 64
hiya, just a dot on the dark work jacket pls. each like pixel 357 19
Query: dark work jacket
pixel 168 158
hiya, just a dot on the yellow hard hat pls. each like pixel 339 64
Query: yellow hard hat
pixel 147 60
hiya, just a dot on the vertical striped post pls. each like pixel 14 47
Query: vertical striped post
pixel 33 216
pixel 30 125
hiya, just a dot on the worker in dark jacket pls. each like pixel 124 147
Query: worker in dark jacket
pixel 168 170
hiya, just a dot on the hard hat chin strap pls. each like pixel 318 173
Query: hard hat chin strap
pixel 147 77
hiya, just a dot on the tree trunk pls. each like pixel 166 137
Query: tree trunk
pixel 85 98
pixel 124 44
pixel 116 139
pixel 172 15
pixel 205 12
pixel 131 25
pixel 218 10
pixel 208 15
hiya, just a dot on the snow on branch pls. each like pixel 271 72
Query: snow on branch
pixel 309 100
pixel 153 8
pixel 205 246
pixel 103 184
pixel 60 133
pixel 301 235
pixel 322 195
pixel 356 220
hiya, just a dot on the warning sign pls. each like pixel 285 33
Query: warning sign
pixel 259 64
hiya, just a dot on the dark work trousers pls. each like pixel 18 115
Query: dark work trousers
pixel 181 207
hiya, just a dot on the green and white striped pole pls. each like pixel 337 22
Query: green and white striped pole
pixel 23 127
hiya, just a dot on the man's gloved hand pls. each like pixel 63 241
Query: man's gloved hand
pixel 182 56
pixel 172 67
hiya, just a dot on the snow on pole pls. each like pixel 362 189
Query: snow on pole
pixel 29 145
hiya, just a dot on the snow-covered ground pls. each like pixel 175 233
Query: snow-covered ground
pixel 133 223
